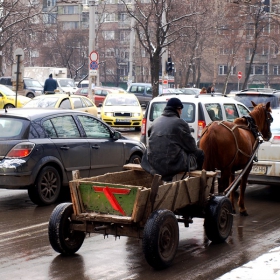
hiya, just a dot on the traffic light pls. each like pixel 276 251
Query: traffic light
pixel 168 67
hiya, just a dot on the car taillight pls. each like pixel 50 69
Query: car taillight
pixel 143 127
pixel 201 125
pixel 275 139
pixel 20 150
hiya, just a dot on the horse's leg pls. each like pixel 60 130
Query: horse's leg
pixel 231 195
pixel 242 209
pixel 224 183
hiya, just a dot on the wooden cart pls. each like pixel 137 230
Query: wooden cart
pixel 136 204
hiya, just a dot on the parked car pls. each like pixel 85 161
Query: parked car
pixel 143 92
pixel 191 91
pixel 66 85
pixel 31 87
pixel 99 93
pixel 8 98
pixel 267 169
pixel 82 84
pixel 122 110
pixel 63 101
pixel 39 149
pixel 198 111
pixel 247 96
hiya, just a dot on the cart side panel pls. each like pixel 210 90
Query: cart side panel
pixel 178 194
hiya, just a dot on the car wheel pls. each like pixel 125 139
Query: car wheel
pixel 30 95
pixel 160 239
pixel 9 106
pixel 62 238
pixel 47 187
pixel 135 159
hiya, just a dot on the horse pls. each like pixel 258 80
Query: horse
pixel 229 147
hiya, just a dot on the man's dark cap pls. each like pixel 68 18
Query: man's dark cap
pixel 50 76
pixel 175 103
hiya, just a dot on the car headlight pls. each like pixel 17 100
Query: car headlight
pixel 135 114
pixel 109 114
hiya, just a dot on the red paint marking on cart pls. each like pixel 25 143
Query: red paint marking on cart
pixel 109 193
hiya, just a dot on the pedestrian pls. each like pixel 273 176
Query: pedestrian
pixel 170 144
pixel 209 89
pixel 203 90
pixel 50 85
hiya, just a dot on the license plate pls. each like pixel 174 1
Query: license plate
pixel 123 120
pixel 259 169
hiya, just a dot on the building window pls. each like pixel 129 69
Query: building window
pixel 225 51
pixel 51 3
pixel 123 17
pixel 109 35
pixel 70 10
pixel 223 70
pixel 275 69
pixel 109 17
pixel 258 69
pixel 124 36
pixel 49 18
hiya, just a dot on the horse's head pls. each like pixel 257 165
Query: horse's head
pixel 262 116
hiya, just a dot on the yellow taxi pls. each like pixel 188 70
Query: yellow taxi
pixel 63 101
pixel 122 109
pixel 8 98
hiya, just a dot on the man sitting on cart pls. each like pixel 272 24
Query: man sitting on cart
pixel 171 148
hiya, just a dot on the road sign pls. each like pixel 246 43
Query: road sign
pixel 239 75
pixel 93 65
pixel 93 72
pixel 94 56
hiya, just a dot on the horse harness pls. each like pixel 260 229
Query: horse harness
pixel 251 126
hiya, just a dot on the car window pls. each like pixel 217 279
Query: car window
pixel 11 128
pixel 231 112
pixel 77 102
pixel 188 112
pixel 214 111
pixel 243 110
pixel 49 129
pixel 87 102
pixel 65 104
pixel 94 128
pixel 257 98
pixel 149 90
pixel 65 127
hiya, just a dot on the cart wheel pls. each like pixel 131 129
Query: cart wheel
pixel 218 219
pixel 62 238
pixel 160 238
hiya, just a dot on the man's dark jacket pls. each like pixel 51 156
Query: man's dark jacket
pixel 169 142
pixel 50 84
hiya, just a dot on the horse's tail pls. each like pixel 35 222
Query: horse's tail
pixel 209 145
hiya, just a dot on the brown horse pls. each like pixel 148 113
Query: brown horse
pixel 228 147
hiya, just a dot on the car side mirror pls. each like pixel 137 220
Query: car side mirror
pixel 117 135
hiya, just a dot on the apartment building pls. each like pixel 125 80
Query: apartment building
pixel 113 44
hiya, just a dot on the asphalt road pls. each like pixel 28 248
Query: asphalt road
pixel 26 253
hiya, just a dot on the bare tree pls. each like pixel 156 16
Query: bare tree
pixel 16 16
pixel 157 25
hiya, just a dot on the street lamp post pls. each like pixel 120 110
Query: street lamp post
pixel 91 47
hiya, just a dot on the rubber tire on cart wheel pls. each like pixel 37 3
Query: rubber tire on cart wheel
pixel 64 240
pixel 160 239
pixel 47 187
pixel 218 219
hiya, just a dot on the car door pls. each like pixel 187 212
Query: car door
pixel 107 154
pixel 74 150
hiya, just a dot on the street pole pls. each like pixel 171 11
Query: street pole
pixel 91 47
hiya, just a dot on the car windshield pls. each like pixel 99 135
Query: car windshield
pixel 42 102
pixel 7 91
pixel 32 83
pixel 121 100
pixel 66 83
pixel 257 98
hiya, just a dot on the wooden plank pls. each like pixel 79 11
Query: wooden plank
pixel 73 185
pixel 140 205
pixel 103 218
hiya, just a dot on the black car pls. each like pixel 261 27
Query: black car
pixel 39 149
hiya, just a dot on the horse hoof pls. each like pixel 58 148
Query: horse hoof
pixel 244 213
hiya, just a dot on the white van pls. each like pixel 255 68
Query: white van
pixel 198 111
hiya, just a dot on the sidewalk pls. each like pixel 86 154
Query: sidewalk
pixel 265 267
